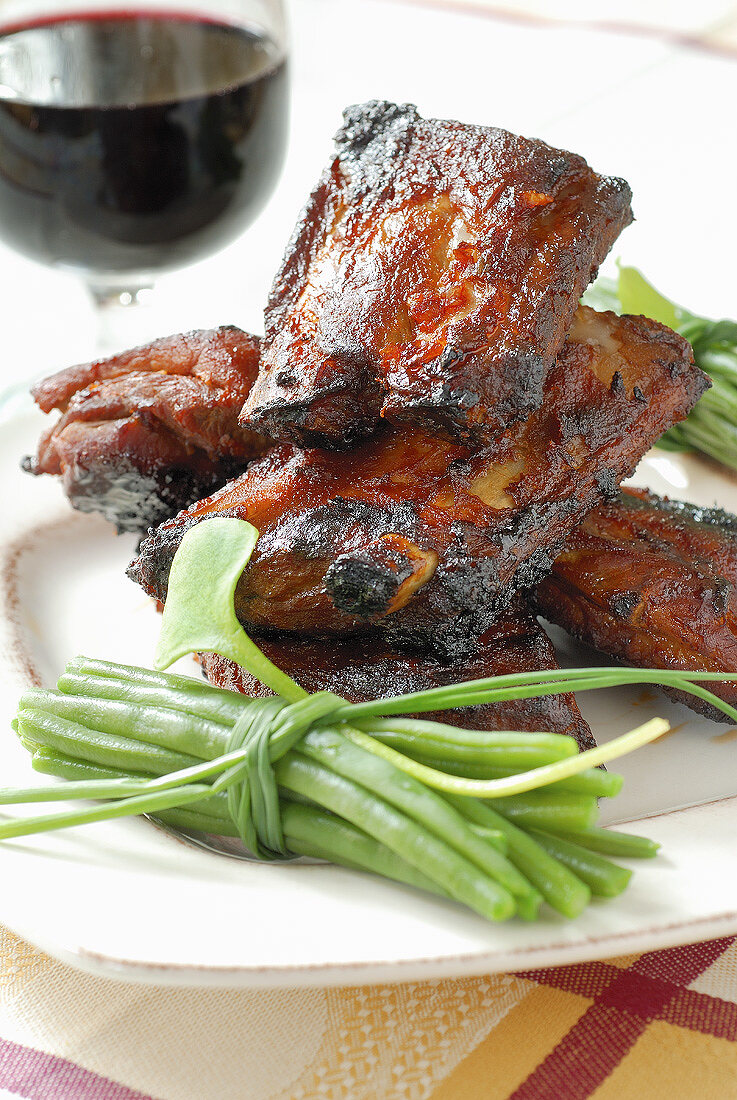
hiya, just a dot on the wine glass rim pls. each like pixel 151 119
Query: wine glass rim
pixel 258 15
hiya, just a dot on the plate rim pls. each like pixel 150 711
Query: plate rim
pixel 505 958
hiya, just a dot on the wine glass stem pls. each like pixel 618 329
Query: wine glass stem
pixel 124 315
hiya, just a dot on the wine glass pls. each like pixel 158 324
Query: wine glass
pixel 137 138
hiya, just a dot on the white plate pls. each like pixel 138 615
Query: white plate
pixel 127 899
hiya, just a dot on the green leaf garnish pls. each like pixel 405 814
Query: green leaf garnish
pixel 637 295
pixel 199 615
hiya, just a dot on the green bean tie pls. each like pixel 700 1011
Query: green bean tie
pixel 267 729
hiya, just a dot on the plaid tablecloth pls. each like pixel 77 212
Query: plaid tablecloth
pixel 658 1026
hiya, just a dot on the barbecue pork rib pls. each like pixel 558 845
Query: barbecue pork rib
pixel 364 666
pixel 414 531
pixel 652 582
pixel 431 279
pixel 149 431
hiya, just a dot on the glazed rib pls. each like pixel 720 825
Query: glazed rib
pixel 413 531
pixel 365 667
pixel 432 279
pixel 147 432
pixel 651 582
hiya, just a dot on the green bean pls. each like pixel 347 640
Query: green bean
pixel 548 809
pixel 612 843
pixel 521 750
pixel 460 878
pixel 199 704
pixel 170 729
pixel 184 818
pixel 51 762
pixel 330 748
pixel 99 748
pixel 515 757
pixel 322 835
pixel 604 879
pixel 562 890
pixel 189 730
pixel 93 666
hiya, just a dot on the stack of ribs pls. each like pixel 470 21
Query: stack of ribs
pixel 430 438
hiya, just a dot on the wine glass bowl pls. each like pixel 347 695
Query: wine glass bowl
pixel 137 140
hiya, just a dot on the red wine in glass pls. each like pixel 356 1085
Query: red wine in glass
pixel 133 142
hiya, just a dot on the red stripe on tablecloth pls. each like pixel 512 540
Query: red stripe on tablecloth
pixel 652 988
pixel 700 1012
pixel 585 1057
pixel 584 979
pixel 642 995
pixel 39 1076
pixel 682 965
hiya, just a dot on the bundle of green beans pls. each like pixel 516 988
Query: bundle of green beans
pixel 499 821
pixel 711 427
